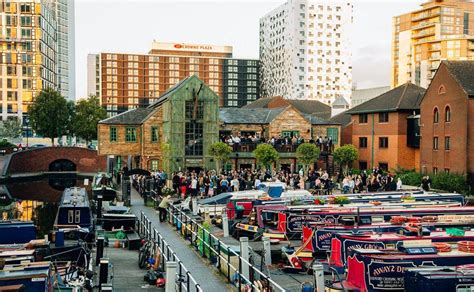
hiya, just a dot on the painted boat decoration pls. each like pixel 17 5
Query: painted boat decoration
pixel 102 185
pixel 371 270
pixel 74 209
pixel 343 244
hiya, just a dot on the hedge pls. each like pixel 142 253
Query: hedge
pixel 449 182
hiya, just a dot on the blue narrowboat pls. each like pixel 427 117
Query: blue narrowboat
pixel 74 209
pixel 14 232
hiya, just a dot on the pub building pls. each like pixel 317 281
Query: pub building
pixel 175 132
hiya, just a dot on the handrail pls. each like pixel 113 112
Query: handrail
pixel 219 253
pixel 185 281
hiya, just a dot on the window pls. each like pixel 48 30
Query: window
pixel 447 143
pixel 383 165
pixel 154 165
pixel 362 142
pixel 154 134
pixel 383 142
pixel 70 216
pixel 131 134
pixel 193 139
pixel 192 112
pixel 113 134
pixel 290 133
pixel 383 118
pixel 447 114
pixel 435 170
pixel 446 170
pixel 363 118
pixel 436 115
pixel 435 143
pixel 363 165
pixel 333 133
pixel 78 216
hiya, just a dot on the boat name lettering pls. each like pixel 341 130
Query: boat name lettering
pixel 388 269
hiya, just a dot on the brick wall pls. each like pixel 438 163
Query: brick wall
pixel 120 147
pixel 290 120
pixel 452 95
pixel 38 160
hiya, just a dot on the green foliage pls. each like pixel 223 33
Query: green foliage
pixel 341 200
pixel 266 155
pixel 450 182
pixel 220 151
pixel 167 191
pixel 345 155
pixel 49 114
pixel 166 156
pixel 308 154
pixel 5 144
pixel 11 128
pixel 88 113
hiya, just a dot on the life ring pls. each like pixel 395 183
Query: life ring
pixel 466 246
pixel 442 246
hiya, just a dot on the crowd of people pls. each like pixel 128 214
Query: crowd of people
pixel 235 140
pixel 209 183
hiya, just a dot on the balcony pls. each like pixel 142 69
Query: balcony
pixel 281 148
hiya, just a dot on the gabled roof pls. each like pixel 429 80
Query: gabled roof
pixel 170 91
pixel 248 115
pixel 405 97
pixel 304 106
pixel 340 101
pixel 368 93
pixel 463 72
pixel 132 117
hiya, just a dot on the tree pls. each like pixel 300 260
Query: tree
pixel 221 153
pixel 308 154
pixel 266 155
pixel 11 128
pixel 88 114
pixel 49 114
pixel 344 156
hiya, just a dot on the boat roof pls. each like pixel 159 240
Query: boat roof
pixel 399 255
pixel 387 236
pixel 75 197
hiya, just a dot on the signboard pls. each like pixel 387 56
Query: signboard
pixel 294 223
pixel 323 239
pixel 194 161
pixel 191 47
pixel 384 276
pixel 350 244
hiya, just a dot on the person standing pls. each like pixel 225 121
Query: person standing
pixel 162 208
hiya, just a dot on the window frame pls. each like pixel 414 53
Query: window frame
pixel 447 143
pixel 366 142
pixel 382 117
pixel 435 116
pixel 435 143
pixel 129 131
pixel 155 136
pixel 113 133
pixel 447 114
pixel 382 144
pixel 363 118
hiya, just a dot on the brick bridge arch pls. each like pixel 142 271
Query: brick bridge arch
pixel 40 160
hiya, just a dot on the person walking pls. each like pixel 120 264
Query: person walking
pixel 162 208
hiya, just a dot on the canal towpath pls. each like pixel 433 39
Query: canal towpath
pixel 204 274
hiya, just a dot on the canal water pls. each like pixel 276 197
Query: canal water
pixel 36 199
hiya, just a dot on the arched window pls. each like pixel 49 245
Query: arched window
pixel 447 114
pixel 436 115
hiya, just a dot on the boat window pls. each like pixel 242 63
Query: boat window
pixel 78 216
pixel 377 219
pixel 70 216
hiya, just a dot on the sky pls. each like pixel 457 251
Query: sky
pixel 130 26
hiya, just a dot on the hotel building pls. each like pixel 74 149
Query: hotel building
pixel 440 30
pixel 128 81
pixel 28 43
pixel 305 51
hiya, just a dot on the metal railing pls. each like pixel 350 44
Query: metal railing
pixel 228 261
pixel 185 281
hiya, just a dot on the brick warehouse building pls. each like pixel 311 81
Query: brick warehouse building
pixel 447 116
pixel 385 130
pixel 179 127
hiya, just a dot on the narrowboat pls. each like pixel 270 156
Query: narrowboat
pixel 432 279
pixel 31 277
pixel 15 232
pixel 102 185
pixel 343 244
pixel 371 270
pixel 294 217
pixel 74 210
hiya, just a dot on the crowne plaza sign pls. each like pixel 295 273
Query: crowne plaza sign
pixel 191 47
